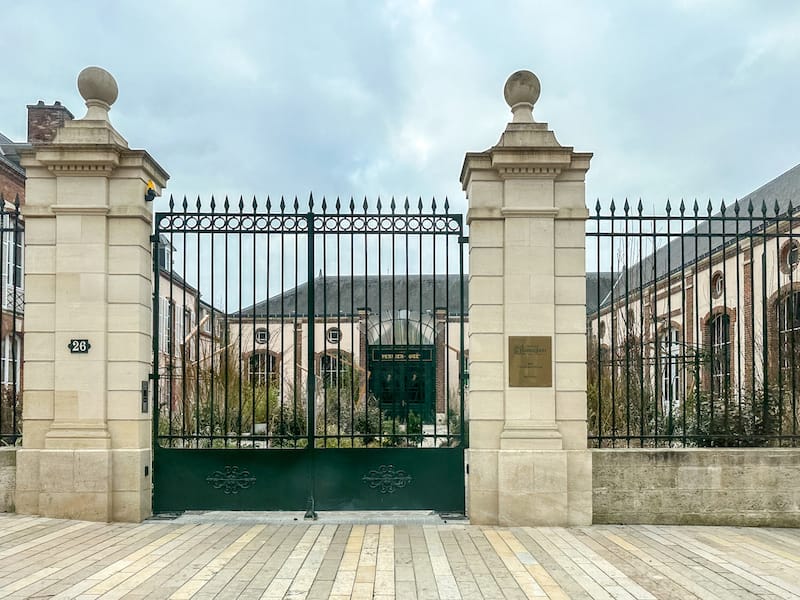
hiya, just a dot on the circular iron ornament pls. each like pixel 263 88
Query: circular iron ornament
pixel 359 224
pixel 247 222
pixel 372 224
pixel 427 224
pixel 413 223
pixel 192 222
pixel 205 223
pixel 275 223
pixel 387 479
pixel 261 223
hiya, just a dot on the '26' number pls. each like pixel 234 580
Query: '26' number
pixel 79 346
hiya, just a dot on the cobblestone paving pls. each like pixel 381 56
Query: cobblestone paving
pixel 50 558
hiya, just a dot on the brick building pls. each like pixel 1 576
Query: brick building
pixel 43 123
pixel 713 311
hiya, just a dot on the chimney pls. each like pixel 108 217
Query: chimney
pixel 45 120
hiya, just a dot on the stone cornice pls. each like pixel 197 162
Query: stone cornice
pixel 88 160
pixel 513 162
pixel 141 159
pixel 92 160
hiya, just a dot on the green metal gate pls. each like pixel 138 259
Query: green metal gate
pixel 308 360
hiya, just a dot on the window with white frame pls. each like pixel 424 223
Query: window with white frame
pixel 188 324
pixel 12 267
pixel 670 350
pixel 720 333
pixel 331 368
pixel 10 359
pixel 263 368
pixel 166 319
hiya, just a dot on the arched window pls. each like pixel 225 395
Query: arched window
pixel 669 363
pixel 720 349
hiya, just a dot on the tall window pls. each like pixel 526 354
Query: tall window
pixel 10 359
pixel 187 331
pixel 331 368
pixel 263 368
pixel 789 335
pixel 12 267
pixel 166 320
pixel 720 353
pixel 670 350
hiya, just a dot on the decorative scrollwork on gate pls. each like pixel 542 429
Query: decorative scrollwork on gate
pixel 231 480
pixel 386 479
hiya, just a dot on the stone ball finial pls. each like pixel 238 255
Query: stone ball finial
pixel 99 89
pixel 521 92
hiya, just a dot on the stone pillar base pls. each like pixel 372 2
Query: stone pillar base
pixel 85 484
pixel 530 487
pixel 65 483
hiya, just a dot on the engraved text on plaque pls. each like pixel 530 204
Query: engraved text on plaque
pixel 530 361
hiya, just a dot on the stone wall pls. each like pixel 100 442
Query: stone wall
pixel 697 487
pixel 8 478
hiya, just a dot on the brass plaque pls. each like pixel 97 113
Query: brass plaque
pixel 530 361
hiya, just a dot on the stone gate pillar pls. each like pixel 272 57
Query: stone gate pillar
pixel 86 439
pixel 529 463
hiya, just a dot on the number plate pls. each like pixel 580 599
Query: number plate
pixel 79 346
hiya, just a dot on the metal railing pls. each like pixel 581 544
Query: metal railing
pixel 693 319
pixel 280 325
pixel 11 313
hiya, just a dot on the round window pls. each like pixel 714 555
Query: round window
pixel 334 335
pixel 790 256
pixel 717 285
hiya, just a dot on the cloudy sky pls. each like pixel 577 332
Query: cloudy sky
pixel 675 98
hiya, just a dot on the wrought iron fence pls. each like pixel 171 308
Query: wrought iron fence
pixel 11 314
pixel 693 319
pixel 280 326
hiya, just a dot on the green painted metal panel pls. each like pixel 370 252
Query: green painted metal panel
pixel 286 479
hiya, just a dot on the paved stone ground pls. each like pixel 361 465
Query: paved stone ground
pixel 50 558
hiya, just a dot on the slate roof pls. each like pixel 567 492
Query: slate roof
pixel 711 234
pixel 339 297
pixel 334 295
pixel 598 285
pixel 8 155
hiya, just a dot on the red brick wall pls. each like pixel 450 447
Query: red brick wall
pixel 11 184
pixel 44 120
